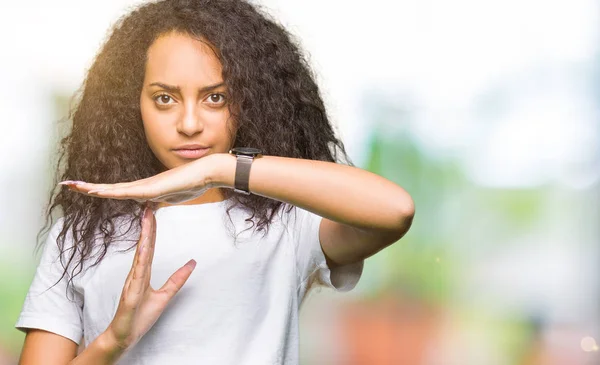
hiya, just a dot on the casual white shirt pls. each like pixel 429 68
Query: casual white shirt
pixel 240 305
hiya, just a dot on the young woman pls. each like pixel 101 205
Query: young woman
pixel 199 136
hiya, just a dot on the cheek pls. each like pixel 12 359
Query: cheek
pixel 226 125
pixel 151 119
pixel 154 134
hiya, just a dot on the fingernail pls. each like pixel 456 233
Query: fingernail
pixel 191 263
pixel 71 182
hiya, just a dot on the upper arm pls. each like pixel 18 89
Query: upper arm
pixel 52 310
pixel 313 266
pixel 343 244
pixel 42 347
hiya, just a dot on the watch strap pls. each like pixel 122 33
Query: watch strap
pixel 242 174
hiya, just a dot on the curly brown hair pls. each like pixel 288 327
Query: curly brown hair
pixel 274 102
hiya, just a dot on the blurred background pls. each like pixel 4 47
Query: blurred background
pixel 486 112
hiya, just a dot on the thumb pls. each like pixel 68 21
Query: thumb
pixel 178 279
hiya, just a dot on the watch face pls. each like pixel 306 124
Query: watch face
pixel 247 151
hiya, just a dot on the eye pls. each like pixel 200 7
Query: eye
pixel 216 98
pixel 162 99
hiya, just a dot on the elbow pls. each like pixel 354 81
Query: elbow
pixel 398 225
pixel 406 213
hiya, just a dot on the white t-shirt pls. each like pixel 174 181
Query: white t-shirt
pixel 240 305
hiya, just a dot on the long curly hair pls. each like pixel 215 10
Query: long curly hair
pixel 275 105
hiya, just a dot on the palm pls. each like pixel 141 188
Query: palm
pixel 174 186
pixel 130 327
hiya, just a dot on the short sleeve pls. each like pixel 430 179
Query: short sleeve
pixel 310 259
pixel 51 304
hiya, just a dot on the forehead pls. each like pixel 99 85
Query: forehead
pixel 180 59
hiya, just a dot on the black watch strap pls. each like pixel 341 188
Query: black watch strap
pixel 242 174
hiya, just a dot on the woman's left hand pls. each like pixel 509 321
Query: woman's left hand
pixel 173 186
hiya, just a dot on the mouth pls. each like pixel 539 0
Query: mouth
pixel 191 153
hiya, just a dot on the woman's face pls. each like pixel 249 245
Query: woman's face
pixel 184 101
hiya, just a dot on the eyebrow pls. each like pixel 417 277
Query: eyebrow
pixel 177 89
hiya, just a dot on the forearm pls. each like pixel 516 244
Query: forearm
pixel 341 193
pixel 102 351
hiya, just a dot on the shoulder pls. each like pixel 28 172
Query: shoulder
pixel 67 242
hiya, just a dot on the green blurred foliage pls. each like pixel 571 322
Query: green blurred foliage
pixel 455 219
pixel 14 283
pixel 418 265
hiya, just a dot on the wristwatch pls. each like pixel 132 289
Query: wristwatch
pixel 245 156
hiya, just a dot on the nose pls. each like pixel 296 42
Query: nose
pixel 190 123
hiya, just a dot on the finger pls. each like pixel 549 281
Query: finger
pixel 83 186
pixel 118 186
pixel 151 245
pixel 149 189
pixel 71 182
pixel 138 192
pixel 139 277
pixel 133 292
pixel 87 188
pixel 177 280
pixel 144 233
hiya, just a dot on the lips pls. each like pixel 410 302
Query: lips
pixel 191 146
pixel 190 153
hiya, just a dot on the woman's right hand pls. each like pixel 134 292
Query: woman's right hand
pixel 140 305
